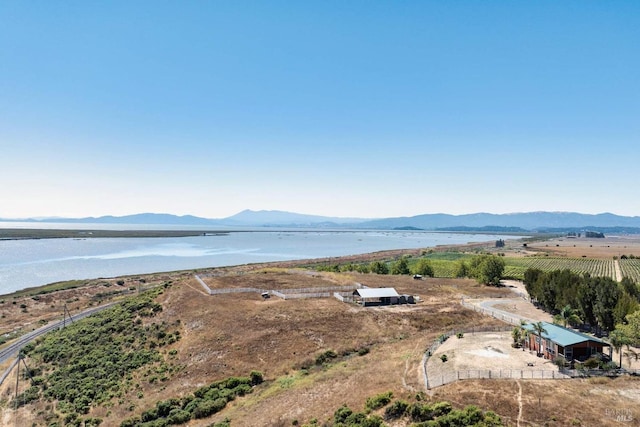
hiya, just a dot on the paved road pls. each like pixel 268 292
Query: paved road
pixel 12 350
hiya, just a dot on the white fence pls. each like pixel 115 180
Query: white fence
pixel 498 314
pixel 204 285
pixel 344 296
pixel 235 290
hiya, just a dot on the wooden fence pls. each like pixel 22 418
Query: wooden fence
pixel 440 379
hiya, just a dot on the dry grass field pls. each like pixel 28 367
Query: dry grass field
pixel 233 334
pixel 603 248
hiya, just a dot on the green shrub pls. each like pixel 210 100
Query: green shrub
pixel 441 408
pixel 341 415
pixel 420 412
pixel 88 362
pixel 178 416
pixel 207 408
pixel 325 357
pixel 130 422
pixel 29 395
pixel 363 351
pixel 149 415
pixel 256 377
pixel 378 401
pixel 396 410
pixel 592 363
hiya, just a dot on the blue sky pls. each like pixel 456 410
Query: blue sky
pixel 352 109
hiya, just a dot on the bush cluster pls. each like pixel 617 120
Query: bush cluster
pixel 87 363
pixel 203 403
pixel 439 414
pixel 345 417
pixel 378 401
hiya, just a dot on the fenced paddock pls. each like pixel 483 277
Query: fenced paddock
pixel 478 360
pixel 286 294
pixel 320 292
pixel 344 296
pixel 443 337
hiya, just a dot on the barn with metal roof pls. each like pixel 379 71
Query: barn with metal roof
pixel 377 296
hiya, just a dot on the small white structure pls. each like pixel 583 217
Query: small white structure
pixel 377 296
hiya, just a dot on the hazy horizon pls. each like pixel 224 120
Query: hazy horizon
pixel 52 219
pixel 337 109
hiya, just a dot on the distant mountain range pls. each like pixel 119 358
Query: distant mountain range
pixel 514 222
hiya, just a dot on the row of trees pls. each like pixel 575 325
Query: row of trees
pixel 598 301
pixel 403 265
pixel 486 269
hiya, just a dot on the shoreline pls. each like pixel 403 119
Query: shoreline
pixel 383 254
pixel 40 233
pixel 7 234
pixel 20 286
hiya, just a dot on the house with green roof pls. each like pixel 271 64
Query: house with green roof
pixel 559 341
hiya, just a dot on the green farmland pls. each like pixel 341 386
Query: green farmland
pixel 630 268
pixel 515 267
pixel 445 265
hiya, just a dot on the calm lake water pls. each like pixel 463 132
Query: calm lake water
pixel 28 263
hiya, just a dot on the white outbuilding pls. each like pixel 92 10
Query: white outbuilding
pixel 377 296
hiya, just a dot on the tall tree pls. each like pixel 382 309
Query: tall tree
pixel 586 298
pixel 487 269
pixel 524 332
pixel 530 281
pixel 539 329
pixel 423 267
pixel 462 269
pixel 631 329
pixel 568 316
pixel 379 267
pixel 630 287
pixel 618 339
pixel 627 304
pixel 401 266
pixel 607 295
